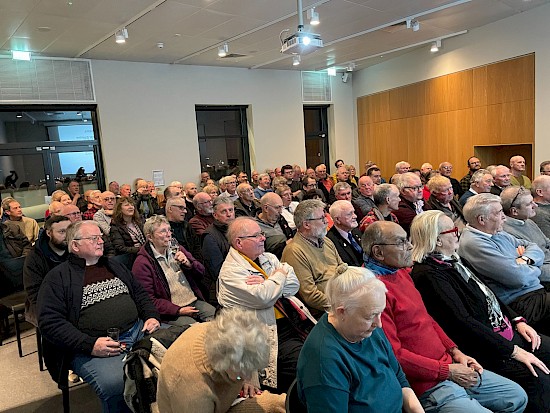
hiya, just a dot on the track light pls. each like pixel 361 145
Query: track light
pixel 223 50
pixel 19 115
pixel 413 24
pixel 121 35
pixel 313 16
pixel 435 46
pixel 350 67
pixel 296 60
pixel 20 55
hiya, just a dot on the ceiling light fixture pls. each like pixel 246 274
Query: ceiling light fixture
pixel 301 42
pixel 19 115
pixel 413 24
pixel 296 60
pixel 20 55
pixel 350 67
pixel 435 46
pixel 223 50
pixel 121 35
pixel 331 71
pixel 313 17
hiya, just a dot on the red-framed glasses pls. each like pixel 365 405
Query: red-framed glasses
pixel 451 231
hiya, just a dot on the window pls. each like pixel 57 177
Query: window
pixel 223 140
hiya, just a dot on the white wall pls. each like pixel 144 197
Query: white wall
pixel 147 116
pixel 518 35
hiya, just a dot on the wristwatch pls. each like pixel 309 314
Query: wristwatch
pixel 528 260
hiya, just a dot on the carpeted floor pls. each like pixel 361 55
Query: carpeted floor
pixel 26 389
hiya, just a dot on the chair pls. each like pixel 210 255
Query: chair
pixel 12 294
pixel 293 404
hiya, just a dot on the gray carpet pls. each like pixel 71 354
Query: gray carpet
pixel 26 389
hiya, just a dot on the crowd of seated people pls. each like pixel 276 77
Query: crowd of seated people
pixel 298 231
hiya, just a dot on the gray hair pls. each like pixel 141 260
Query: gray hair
pixel 153 223
pixel 223 180
pixel 382 192
pixel 222 200
pixel 171 201
pixel 497 168
pixel 236 227
pixel 305 209
pixel 336 208
pixel 352 288
pixel 74 231
pixel 438 182
pixel 479 205
pixel 425 229
pixel 404 179
pixel 236 342
pixel 478 175
pixel 263 175
pixel 282 188
pixel 399 164
pixel 508 194
pixel 341 186
pixel 241 188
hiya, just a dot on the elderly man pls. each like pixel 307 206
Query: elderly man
pixel 501 179
pixel 363 202
pixel 264 186
pixel 510 266
pixel 181 229
pixel 81 299
pixel 411 204
pixel 402 167
pixel 215 245
pixel 145 204
pixel 254 179
pixel 256 280
pixel 441 375
pixel 446 169
pixel 289 206
pixel 94 205
pixel 230 184
pixel 246 205
pixel 540 190
pixel 519 208
pixel 104 215
pixel 474 164
pixel 517 169
pixel 77 198
pixel 205 176
pixel 242 178
pixel 344 233
pixel 28 226
pixel 114 187
pixel 203 213
pixel 313 256
pixel 386 200
pixel 340 191
pixel 426 168
pixel 442 199
pixel 324 183
pixel 125 190
pixel 72 212
pixel 276 229
pixel 172 192
pixel 49 251
pixel 481 182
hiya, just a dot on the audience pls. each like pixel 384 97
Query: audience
pixel 411 203
pixel 114 187
pixel 211 190
pixel 324 183
pixel 362 200
pixel 308 183
pixel 145 204
pixel 72 212
pixel 446 169
pixel 289 206
pixel 402 167
pixel 544 168
pixel 442 198
pixel 126 233
pixel 94 205
pixel 190 190
pixel 181 229
pixel 375 174
pixel 264 186
pixel 246 205
pixel 230 187
pixel 76 197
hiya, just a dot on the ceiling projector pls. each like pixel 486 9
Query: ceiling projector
pixel 301 43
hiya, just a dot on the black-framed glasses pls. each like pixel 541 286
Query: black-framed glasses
pixel 414 188
pixel 520 190
pixel 317 219
pixel 93 238
pixel 180 207
pixel 450 231
pixel 402 244
pixel 256 235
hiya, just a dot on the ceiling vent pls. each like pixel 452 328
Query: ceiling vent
pixel 394 28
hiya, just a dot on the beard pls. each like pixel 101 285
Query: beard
pixel 62 245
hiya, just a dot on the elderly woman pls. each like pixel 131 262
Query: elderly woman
pixel 210 363
pixel 169 274
pixel 468 310
pixel 126 233
pixel 347 363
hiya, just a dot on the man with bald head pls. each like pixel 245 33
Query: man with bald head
pixel 246 205
pixel 501 179
pixel 517 169
pixel 203 213
pixel 190 190
pixel 104 215
pixel 277 231
pixel 446 169
pixel 72 212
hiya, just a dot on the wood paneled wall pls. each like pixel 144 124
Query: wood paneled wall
pixel 445 118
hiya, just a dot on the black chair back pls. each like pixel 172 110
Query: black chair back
pixel 293 404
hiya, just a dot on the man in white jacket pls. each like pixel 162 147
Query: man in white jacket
pixel 254 279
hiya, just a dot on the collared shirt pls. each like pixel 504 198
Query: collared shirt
pixel 317 243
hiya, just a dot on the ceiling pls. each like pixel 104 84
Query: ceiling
pixel 359 31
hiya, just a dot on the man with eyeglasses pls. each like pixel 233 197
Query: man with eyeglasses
pixel 509 265
pixel 246 205
pixel 277 231
pixel 104 215
pixel 474 164
pixel 446 170
pixel 519 208
pixel 254 279
pixel 230 184
pixel 203 213
pixel 313 256
pixel 79 300
pixel 72 212
pixel 540 190
pixel 444 379
pixel 308 183
pixel 411 203
pixel 544 168
pixel 181 229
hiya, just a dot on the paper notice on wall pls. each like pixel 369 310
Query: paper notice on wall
pixel 158 178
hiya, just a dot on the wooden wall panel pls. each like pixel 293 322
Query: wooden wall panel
pixel 437 95
pixel 511 80
pixel 460 145
pixel 362 110
pixel 460 90
pixel 479 75
pixel 510 123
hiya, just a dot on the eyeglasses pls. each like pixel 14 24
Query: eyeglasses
pixel 164 231
pixel 205 202
pixel 277 207
pixel 402 244
pixel 257 235
pixel 450 231
pixel 109 199
pixel 180 207
pixel 414 188
pixel 73 214
pixel 94 238
pixel 231 183
pixel 520 190
pixel 323 218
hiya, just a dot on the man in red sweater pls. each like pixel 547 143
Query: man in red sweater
pixel 444 379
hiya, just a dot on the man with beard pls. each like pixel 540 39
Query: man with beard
pixel 474 164
pixel 49 251
pixel 312 255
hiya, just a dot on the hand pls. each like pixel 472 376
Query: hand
pixel 249 390
pixel 182 259
pixel 521 261
pixel 282 269
pixel 530 360
pixel 106 347
pixel 462 375
pixel 460 357
pixel 529 334
pixel 520 250
pixel 150 325
pixel 188 310
pixel 254 280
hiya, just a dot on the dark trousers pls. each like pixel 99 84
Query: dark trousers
pixel 537 388
pixel 535 307
pixel 290 345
